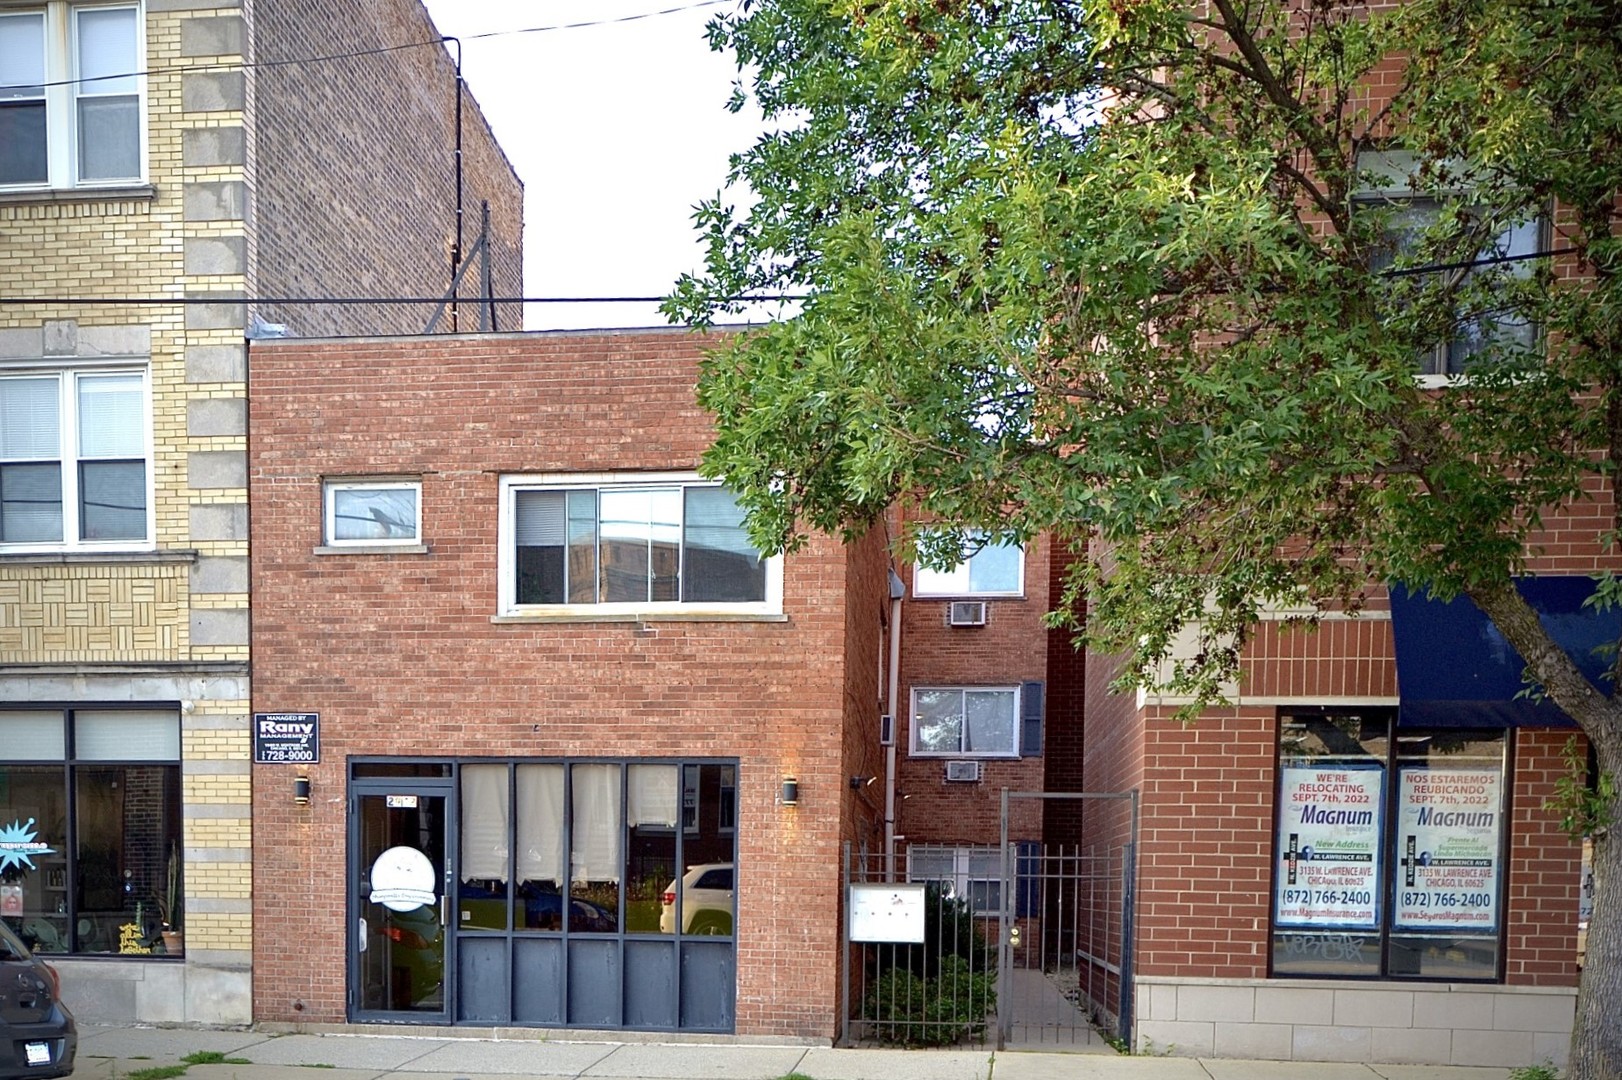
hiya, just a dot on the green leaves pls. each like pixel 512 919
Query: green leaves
pixel 1103 269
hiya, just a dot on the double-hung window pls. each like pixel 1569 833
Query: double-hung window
pixel 615 544
pixel 968 873
pixel 71 93
pixel 987 569
pixel 75 459
pixel 1482 320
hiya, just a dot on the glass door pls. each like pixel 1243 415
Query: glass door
pixel 400 869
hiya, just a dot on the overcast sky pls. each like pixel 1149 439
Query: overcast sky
pixel 617 131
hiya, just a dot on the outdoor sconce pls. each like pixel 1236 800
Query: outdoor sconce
pixel 791 791
pixel 301 791
pixel 857 783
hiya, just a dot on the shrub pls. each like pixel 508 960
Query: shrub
pixel 918 1011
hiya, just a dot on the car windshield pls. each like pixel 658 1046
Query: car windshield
pixel 10 947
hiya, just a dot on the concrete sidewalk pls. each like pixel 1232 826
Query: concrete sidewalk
pixel 113 1053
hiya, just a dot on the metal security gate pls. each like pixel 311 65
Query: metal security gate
pixel 1064 970
pixel 1024 944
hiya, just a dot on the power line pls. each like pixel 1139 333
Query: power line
pixel 378 51
pixel 269 301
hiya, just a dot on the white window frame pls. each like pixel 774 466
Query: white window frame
pixel 331 486
pixel 960 885
pixel 68 459
pixel 943 584
pixel 507 557
pixel 62 94
pixel 1012 750
pixel 1394 190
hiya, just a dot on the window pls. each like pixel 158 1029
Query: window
pixel 646 545
pixel 955 721
pixel 74 460
pixel 602 833
pixel 91 859
pixel 972 874
pixel 364 513
pixel 1389 858
pixel 70 95
pixel 1479 324
pixel 987 570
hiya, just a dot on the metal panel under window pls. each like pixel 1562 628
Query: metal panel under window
pixel 126 735
pixel 33 736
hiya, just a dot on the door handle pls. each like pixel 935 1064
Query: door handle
pixel 362 936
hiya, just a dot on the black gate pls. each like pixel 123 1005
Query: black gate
pixel 1022 943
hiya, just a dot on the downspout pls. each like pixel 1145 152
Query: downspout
pixel 898 589
pixel 456 251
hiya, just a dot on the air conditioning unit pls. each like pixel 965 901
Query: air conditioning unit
pixel 886 730
pixel 966 613
pixel 963 772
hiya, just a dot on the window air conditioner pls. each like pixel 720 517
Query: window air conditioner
pixel 966 613
pixel 963 771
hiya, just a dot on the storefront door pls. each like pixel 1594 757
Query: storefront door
pixel 400 864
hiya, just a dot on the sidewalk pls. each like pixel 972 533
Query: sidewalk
pixel 113 1053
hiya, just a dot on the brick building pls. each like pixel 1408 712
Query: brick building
pixel 145 158
pixel 559 676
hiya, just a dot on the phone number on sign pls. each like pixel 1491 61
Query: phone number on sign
pixel 1328 896
pixel 1417 899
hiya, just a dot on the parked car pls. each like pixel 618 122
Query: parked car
pixel 706 901
pixel 37 1035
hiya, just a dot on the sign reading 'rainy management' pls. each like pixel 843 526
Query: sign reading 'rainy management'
pixel 286 738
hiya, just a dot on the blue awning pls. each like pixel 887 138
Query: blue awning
pixel 1454 669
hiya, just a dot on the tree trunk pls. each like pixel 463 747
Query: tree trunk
pixel 1596 1040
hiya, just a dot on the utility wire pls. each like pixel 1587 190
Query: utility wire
pixel 356 53
pixel 112 301
pixel 1407 271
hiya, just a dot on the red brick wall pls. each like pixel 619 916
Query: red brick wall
pixel 355 180
pixel 399 655
pixel 1011 648
pixel 1544 868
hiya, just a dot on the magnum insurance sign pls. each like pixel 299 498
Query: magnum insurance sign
pixel 1329 841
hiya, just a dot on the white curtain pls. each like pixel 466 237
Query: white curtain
pixel 597 830
pixel 651 796
pixel 484 822
pixel 540 823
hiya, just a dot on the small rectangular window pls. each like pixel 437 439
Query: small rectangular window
pixel 966 873
pixel 370 512
pixel 988 569
pixel 956 721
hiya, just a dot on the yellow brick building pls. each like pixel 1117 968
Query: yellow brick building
pixel 158 193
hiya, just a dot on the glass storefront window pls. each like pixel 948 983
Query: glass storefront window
pixel 91 856
pixel 1389 849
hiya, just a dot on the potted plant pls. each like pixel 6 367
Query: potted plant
pixel 172 904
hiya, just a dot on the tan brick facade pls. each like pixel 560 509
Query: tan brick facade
pixel 168 622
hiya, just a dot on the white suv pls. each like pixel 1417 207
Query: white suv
pixel 706 901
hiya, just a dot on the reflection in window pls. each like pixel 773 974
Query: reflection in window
pixel 485 831
pixel 595 859
pixel 108 878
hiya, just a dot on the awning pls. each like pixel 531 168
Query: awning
pixel 1454 669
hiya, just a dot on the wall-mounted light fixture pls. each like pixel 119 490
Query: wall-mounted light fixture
pixel 791 791
pixel 857 783
pixel 301 791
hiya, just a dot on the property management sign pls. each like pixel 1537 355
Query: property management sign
pixel 286 738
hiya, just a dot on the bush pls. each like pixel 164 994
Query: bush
pixel 918 1011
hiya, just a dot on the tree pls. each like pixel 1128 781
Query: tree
pixel 1149 271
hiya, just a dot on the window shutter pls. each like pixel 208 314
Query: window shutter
pixel 539 519
pixel 1030 718
pixel 1027 877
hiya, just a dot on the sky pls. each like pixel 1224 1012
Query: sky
pixel 616 130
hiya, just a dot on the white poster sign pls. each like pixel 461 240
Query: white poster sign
pixel 887 913
pixel 1450 822
pixel 1329 846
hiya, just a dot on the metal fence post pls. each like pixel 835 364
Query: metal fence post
pixel 844 951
